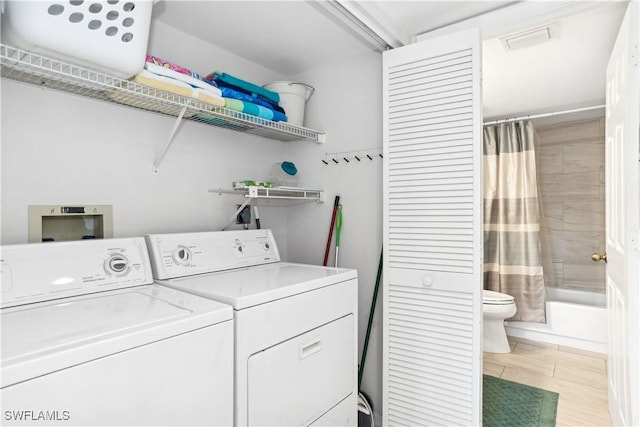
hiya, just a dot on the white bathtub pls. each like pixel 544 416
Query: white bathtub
pixel 575 318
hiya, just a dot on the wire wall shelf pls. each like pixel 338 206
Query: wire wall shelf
pixel 252 192
pixel 286 193
pixel 41 71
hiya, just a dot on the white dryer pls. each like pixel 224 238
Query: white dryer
pixel 295 324
pixel 87 339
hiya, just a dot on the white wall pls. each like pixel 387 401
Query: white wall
pixel 202 57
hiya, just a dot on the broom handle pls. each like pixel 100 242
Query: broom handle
pixel 333 221
pixel 338 231
pixel 373 309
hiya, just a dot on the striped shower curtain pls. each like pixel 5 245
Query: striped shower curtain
pixel 512 254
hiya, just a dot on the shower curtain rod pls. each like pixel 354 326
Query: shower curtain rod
pixel 538 116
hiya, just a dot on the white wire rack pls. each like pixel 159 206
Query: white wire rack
pixel 38 70
pixel 286 193
pixel 276 193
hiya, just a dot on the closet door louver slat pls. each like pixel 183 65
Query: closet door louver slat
pixel 432 228
pixel 419 158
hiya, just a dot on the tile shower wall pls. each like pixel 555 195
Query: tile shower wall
pixel 571 179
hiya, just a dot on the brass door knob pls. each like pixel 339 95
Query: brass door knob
pixel 599 257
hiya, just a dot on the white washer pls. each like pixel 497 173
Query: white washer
pixel 295 324
pixel 87 339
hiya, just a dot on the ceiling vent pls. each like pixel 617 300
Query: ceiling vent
pixel 530 37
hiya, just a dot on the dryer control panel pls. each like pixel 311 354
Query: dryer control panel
pixel 186 254
pixel 45 271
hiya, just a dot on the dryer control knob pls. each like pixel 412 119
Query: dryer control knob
pixel 117 265
pixel 182 255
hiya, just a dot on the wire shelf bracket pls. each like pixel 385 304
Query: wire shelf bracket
pixel 156 164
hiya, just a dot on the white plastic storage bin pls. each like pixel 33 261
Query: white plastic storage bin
pixel 109 36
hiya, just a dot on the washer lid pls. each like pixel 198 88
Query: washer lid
pixel 41 338
pixel 247 287
pixel 493 297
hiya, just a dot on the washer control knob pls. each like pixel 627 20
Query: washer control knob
pixel 238 248
pixel 182 255
pixel 266 246
pixel 117 265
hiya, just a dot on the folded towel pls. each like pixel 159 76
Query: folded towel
pixel 187 78
pixel 232 93
pixel 171 66
pixel 150 59
pixel 254 110
pixel 206 96
pixel 169 84
pixel 244 86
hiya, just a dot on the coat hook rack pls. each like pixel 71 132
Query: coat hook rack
pixel 352 157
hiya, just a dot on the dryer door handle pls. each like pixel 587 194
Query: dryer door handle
pixel 310 348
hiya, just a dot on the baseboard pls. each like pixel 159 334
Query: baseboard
pixel 550 338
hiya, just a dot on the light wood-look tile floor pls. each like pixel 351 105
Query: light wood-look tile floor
pixel 580 377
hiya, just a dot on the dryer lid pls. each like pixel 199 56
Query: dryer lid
pixel 246 287
pixel 48 336
pixel 493 297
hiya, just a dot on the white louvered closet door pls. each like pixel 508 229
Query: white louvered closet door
pixel 432 356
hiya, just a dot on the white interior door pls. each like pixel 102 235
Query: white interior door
pixel 432 231
pixel 622 226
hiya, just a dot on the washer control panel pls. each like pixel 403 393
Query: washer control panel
pixel 177 255
pixel 44 271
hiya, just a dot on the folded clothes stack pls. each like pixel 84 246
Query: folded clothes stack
pixel 162 74
pixel 219 89
pixel 246 97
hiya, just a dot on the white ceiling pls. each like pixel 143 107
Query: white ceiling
pixel 564 73
pixel 294 36
pixel 285 36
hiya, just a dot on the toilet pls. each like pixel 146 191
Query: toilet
pixel 496 307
